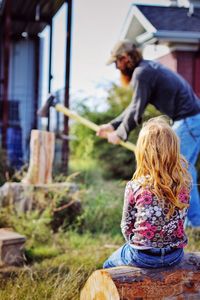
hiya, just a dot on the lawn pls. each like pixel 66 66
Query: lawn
pixel 59 263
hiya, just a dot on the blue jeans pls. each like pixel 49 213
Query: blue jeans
pixel 151 258
pixel 188 130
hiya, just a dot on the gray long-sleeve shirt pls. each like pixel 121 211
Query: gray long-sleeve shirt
pixel 153 83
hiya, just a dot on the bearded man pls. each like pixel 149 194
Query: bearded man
pixel 171 94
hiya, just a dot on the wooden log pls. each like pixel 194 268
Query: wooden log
pixel 132 283
pixel 42 147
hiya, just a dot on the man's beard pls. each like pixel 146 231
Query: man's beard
pixel 126 76
pixel 128 72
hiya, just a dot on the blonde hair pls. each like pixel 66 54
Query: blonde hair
pixel 158 156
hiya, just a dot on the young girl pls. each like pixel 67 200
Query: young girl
pixel 155 201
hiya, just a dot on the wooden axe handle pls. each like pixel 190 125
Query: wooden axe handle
pixel 87 123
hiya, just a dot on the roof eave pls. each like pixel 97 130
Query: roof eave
pixel 177 36
pixel 169 36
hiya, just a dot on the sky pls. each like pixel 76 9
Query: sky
pixel 96 27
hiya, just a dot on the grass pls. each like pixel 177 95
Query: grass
pixel 60 274
pixel 58 264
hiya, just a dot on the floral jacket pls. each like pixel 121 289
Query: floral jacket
pixel 145 223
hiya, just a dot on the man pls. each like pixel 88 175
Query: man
pixel 170 94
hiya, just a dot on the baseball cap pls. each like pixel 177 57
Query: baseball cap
pixel 121 47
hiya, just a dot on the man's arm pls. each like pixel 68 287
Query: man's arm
pixel 118 120
pixel 133 114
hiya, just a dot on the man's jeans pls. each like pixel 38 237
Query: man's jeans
pixel 188 130
pixel 153 258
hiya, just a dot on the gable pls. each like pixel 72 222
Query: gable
pixel 151 24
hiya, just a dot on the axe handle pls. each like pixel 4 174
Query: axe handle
pixel 87 123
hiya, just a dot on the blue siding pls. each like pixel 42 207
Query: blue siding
pixel 21 88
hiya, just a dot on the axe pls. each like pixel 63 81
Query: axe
pixel 53 102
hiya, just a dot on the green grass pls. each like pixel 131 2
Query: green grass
pixel 58 264
pixel 60 274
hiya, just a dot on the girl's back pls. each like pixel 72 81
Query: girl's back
pixel 146 222
pixel 155 201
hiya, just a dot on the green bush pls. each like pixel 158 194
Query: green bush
pixel 115 161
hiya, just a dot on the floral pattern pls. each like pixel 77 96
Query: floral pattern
pixel 145 222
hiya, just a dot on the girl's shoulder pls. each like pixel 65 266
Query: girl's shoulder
pixel 137 191
pixel 139 184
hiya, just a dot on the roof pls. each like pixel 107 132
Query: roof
pixel 23 14
pixel 171 18
pixel 167 24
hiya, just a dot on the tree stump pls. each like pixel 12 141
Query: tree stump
pixel 42 147
pixel 26 197
pixel 11 247
pixel 132 283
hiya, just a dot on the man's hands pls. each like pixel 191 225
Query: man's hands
pixel 113 138
pixel 104 130
pixel 107 131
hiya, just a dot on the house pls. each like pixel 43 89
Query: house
pixel 173 28
pixel 21 67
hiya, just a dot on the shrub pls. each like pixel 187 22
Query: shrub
pixel 102 208
pixel 116 162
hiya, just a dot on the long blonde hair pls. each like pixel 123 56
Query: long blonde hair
pixel 158 158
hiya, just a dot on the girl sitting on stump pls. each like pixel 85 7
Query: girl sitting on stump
pixel 155 201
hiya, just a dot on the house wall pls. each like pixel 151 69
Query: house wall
pixel 197 73
pixel 186 63
pixel 169 60
pixel 22 86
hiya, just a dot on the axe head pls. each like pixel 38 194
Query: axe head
pixel 44 110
